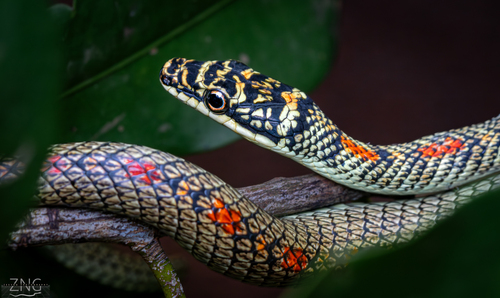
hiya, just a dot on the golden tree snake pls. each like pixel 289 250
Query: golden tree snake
pixel 229 233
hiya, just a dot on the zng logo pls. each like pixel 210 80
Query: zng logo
pixel 29 288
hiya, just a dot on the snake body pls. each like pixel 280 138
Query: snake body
pixel 229 233
pixel 219 226
pixel 284 119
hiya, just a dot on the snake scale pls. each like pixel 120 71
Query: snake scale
pixel 229 233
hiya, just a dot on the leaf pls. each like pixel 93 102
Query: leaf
pixel 129 105
pixel 459 258
pixel 30 75
pixel 112 52
pixel 102 34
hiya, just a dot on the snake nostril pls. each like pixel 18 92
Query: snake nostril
pixel 165 79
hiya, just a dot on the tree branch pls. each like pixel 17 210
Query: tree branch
pixel 282 196
pixel 279 196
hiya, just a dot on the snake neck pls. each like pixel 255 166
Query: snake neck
pixel 430 164
pixel 284 119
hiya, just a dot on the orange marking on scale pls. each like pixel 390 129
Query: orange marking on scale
pixel 228 228
pixel 149 167
pixel 240 227
pixel 182 189
pixel 235 215
pixel 223 216
pixel 294 259
pixel 211 215
pixel 291 99
pixel 449 146
pixel 218 203
pixel 229 219
pixel 261 242
pixel 247 73
pixel 89 163
pixel 146 179
pixel 358 151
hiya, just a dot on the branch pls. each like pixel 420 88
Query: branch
pixel 50 226
pixel 282 196
pixel 279 196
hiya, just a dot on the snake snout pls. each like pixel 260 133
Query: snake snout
pixel 165 79
pixel 171 70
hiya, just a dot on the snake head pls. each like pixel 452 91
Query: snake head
pixel 259 108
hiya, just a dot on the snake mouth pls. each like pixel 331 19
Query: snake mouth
pixel 195 100
pixel 189 97
pixel 184 93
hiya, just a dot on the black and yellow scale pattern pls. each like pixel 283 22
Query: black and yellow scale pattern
pixel 284 119
pixel 229 233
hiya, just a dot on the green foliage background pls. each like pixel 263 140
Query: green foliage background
pixel 90 72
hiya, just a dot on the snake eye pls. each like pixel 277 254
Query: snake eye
pixel 216 101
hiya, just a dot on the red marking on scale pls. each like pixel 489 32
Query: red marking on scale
pixel 63 164
pixel 449 146
pixel 358 151
pixel 156 175
pixel 128 160
pixel 137 169
pixel 229 219
pixel 49 166
pixel 54 158
pixel 294 259
pixel 54 170
pixel 149 167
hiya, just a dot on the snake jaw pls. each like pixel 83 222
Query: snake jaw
pixel 259 108
pixel 196 102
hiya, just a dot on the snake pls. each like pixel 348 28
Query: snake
pixel 229 233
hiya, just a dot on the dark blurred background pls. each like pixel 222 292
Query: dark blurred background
pixel 404 69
